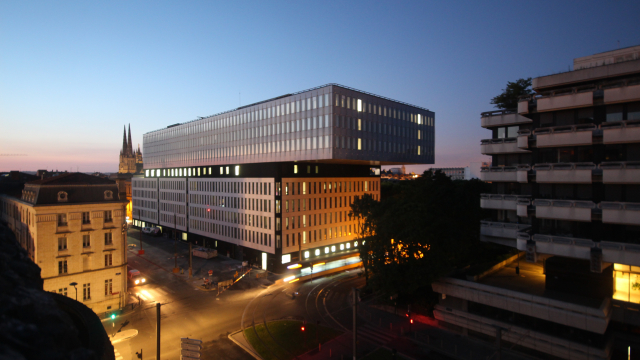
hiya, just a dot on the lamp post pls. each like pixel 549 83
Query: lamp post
pixel 74 285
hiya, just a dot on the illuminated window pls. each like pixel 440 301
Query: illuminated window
pixel 146 173
pixel 342 245
pixel 359 144
pixel 317 252
pixel 306 254
pixel 333 248
pixel 295 169
pixel 626 283
pixel 237 170
pixel 221 170
pixel 359 124
pixel 359 105
pixel 227 170
pixel 348 244
pixel 286 258
pixel 326 250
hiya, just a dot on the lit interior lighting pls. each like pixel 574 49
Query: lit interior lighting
pixel 333 248
pixel 317 252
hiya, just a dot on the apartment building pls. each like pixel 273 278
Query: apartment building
pixel 272 182
pixel 72 227
pixel 565 179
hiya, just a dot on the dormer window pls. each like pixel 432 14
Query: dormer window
pixel 108 195
pixel 63 196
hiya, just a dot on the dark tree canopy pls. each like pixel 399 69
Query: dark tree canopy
pixel 509 97
pixel 421 231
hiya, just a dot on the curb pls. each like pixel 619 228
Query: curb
pixel 245 348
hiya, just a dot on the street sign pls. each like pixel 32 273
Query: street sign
pixel 192 354
pixel 191 341
pixel 185 346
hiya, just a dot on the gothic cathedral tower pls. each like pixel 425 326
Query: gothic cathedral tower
pixel 130 160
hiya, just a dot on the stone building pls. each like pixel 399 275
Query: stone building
pixel 72 227
pixel 130 164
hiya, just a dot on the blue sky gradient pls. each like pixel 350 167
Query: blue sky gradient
pixel 73 73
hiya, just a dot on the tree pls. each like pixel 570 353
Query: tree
pixel 426 229
pixel 363 209
pixel 509 97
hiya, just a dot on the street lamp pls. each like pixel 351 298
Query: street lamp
pixel 74 285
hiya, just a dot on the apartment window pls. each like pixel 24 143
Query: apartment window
pixel 62 219
pixel 62 291
pixel 86 291
pixel 108 287
pixel 62 267
pixel 108 216
pixel 86 219
pixel 62 243
pixel 108 239
pixel 108 259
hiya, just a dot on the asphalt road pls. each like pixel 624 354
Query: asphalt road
pixel 187 311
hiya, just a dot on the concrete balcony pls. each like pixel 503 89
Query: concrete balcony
pixel 523 107
pixel 559 245
pixel 502 118
pixel 620 213
pixel 522 207
pixel 548 344
pixel 564 173
pixel 622 94
pixel 571 135
pixel 568 101
pixel 523 138
pixel 499 174
pixel 621 132
pixel 523 173
pixel 500 146
pixel 620 172
pixel 575 210
pixel 612 252
pixel 501 233
pixel 529 302
pixel 500 202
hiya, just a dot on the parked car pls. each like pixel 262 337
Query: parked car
pixel 153 231
pixel 135 278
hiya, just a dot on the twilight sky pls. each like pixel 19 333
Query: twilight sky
pixel 73 73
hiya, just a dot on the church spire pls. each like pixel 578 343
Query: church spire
pixel 124 140
pixel 130 142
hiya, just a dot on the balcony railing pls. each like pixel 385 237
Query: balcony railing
pixel 500 202
pixel 500 146
pixel 622 94
pixel 565 101
pixel 501 229
pixel 621 132
pixel 620 172
pixel 565 173
pixel 620 213
pixel 576 210
pixel 502 118
pixel 499 173
pixel 567 246
pixel 569 135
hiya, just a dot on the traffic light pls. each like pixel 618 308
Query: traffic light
pixel 113 316
pixel 302 328
pixel 411 321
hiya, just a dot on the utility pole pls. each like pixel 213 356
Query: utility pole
pixel 158 331
pixel 355 323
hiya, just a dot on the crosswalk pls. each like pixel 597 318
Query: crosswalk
pixel 117 353
pixel 373 335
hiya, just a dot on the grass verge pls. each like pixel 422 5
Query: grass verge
pixel 290 340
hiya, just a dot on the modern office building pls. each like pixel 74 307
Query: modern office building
pixel 565 179
pixel 72 227
pixel 272 182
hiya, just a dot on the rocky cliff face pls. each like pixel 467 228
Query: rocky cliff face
pixel 35 324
